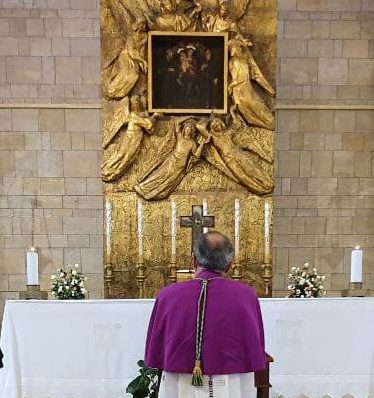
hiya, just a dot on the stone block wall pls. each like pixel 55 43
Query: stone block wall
pixel 50 142
pixel 50 152
pixel 325 139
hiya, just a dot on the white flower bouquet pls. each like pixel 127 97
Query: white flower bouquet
pixel 68 284
pixel 305 282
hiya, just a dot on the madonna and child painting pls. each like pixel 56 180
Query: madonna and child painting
pixel 187 72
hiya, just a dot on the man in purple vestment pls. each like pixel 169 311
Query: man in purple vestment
pixel 206 334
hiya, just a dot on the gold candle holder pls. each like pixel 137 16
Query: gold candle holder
pixel 355 290
pixel 173 270
pixel 237 273
pixel 141 277
pixel 267 276
pixel 355 285
pixel 109 277
pixel 33 292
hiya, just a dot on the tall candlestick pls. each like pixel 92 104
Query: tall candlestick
pixel 140 229
pixel 32 267
pixel 205 213
pixel 267 232
pixel 173 229
pixel 237 228
pixel 356 265
pixel 108 227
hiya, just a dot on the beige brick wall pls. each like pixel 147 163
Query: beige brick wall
pixel 325 180
pixel 49 51
pixel 49 158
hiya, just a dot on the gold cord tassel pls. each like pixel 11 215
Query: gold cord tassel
pixel 197 374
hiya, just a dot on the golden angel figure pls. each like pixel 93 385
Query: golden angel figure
pixel 161 180
pixel 123 70
pixel 137 120
pixel 172 15
pixel 225 17
pixel 250 105
pixel 245 167
pixel 254 139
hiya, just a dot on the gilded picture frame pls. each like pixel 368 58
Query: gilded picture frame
pixel 188 72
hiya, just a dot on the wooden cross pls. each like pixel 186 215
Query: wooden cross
pixel 197 222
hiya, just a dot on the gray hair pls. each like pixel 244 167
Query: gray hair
pixel 213 254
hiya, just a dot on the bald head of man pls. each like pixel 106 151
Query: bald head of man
pixel 213 251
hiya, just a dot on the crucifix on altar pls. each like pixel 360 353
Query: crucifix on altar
pixel 197 221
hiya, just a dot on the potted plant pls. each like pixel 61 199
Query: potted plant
pixel 146 385
pixel 304 282
pixel 68 283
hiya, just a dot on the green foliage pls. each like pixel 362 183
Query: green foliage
pixel 146 384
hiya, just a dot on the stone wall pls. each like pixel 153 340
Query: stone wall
pixel 49 157
pixel 325 140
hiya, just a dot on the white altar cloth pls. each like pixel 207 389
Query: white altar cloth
pixel 89 349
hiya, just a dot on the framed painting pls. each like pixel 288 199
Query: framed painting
pixel 187 72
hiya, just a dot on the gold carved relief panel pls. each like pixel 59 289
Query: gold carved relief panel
pixel 188 119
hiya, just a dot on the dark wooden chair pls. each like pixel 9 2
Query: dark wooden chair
pixel 262 379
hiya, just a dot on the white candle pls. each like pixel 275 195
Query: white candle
pixel 356 265
pixel 140 229
pixel 108 226
pixel 32 267
pixel 267 223
pixel 237 227
pixel 205 213
pixel 173 228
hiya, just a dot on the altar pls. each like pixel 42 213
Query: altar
pixel 89 349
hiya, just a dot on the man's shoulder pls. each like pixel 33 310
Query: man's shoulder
pixel 185 287
pixel 241 287
pixel 175 288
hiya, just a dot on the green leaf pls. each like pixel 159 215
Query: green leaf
pixel 134 385
pixel 145 385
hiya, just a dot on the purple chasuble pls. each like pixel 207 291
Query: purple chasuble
pixel 233 339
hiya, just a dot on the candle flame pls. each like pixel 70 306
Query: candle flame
pixel 357 247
